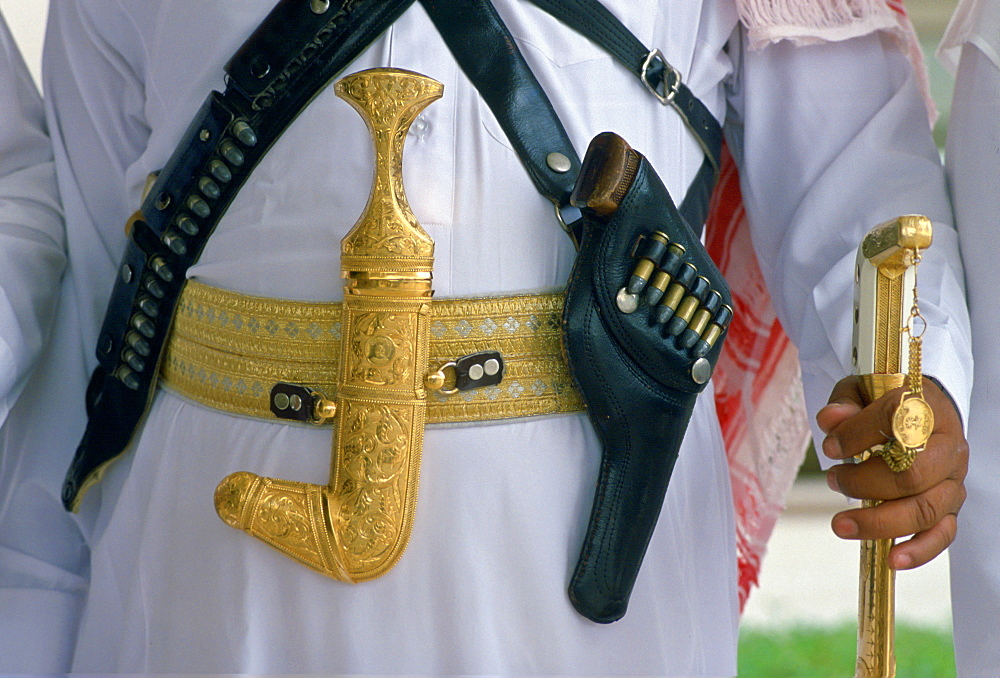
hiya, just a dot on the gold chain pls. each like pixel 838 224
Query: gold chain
pixel 913 419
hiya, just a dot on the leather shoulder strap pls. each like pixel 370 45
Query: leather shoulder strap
pixel 297 50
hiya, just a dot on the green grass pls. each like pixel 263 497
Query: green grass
pixel 819 652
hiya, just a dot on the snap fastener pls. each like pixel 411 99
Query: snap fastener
pixel 558 162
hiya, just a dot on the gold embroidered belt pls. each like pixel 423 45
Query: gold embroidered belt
pixel 227 350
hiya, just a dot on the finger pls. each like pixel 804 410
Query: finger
pixel 924 546
pixel 944 458
pixel 901 517
pixel 845 401
pixel 872 425
pixel 866 428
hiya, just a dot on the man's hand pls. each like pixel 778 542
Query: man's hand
pixel 923 500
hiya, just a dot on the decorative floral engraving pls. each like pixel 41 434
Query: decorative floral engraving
pixel 389 103
pixel 373 477
pixel 284 517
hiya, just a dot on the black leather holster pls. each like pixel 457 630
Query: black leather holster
pixel 638 380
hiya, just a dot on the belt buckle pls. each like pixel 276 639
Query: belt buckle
pixel 670 89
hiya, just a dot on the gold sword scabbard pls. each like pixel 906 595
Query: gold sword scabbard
pixel 356 528
pixel 387 261
pixel 884 284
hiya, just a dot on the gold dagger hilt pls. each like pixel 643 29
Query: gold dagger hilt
pixel 356 528
pixel 884 285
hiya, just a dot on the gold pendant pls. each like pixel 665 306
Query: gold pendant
pixel 913 422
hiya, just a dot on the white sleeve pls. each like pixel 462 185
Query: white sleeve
pixel 832 140
pixel 973 164
pixel 94 113
pixel 32 239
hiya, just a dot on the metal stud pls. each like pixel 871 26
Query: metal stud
pixel 220 171
pixel 198 206
pixel 209 188
pixel 205 135
pixel 476 372
pixel 701 371
pixel 126 274
pixel 491 367
pixel 162 201
pixel 233 155
pixel 244 132
pixel 295 402
pixel 558 162
pixel 626 301
pixel 319 6
pixel 260 68
pixel 281 401
pixel 107 344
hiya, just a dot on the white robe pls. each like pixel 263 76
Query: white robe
pixel 833 140
pixel 32 247
pixel 972 43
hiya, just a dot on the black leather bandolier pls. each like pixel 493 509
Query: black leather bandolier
pixel 638 367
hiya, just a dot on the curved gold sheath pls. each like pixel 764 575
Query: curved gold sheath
pixel 356 528
pixel 884 281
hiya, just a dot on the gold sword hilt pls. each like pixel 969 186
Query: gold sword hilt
pixel 885 277
pixel 356 527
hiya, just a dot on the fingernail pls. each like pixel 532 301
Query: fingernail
pixel 831 447
pixel 831 481
pixel 901 561
pixel 845 528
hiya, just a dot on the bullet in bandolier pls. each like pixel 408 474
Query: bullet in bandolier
pixel 144 325
pixel 661 279
pixel 149 307
pixel 688 306
pixel 209 188
pixel 220 171
pixel 233 155
pixel 175 243
pixel 675 293
pixel 134 360
pixel 245 133
pixel 154 287
pixel 187 224
pixel 128 377
pixel 199 206
pixel 700 320
pixel 714 330
pixel 138 344
pixel 161 269
pixel 649 251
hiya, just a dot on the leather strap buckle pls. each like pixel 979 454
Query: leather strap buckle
pixel 671 77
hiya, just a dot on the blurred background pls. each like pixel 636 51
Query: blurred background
pixel 801 622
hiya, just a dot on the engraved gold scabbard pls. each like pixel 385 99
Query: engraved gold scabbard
pixel 884 284
pixel 356 527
